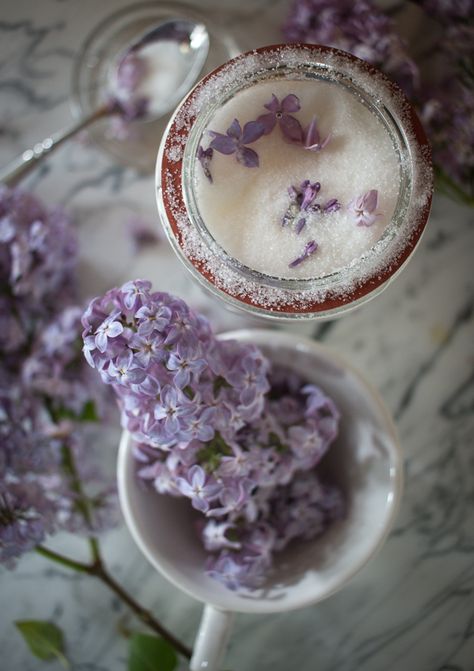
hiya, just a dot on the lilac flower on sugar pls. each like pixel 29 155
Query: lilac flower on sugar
pixel 310 248
pixel 312 139
pixel 204 157
pixel 281 113
pixel 236 139
pixel 303 202
pixel 363 208
pixel 200 489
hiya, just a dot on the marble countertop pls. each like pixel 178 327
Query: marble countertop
pixel 411 607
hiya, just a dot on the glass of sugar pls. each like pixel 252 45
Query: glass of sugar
pixel 294 182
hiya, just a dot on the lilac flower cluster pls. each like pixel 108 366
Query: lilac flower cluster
pixel 212 423
pixel 447 111
pixel 44 386
pixel 37 259
pixel 236 138
pixel 357 27
pixel 448 10
pixel 303 203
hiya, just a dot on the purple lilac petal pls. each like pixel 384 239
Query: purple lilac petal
pixel 333 205
pixel 247 157
pixel 290 103
pixel 222 143
pixel 300 225
pixel 273 105
pixel 291 129
pixel 312 138
pixel 253 130
pixel 268 121
pixel 204 157
pixel 235 130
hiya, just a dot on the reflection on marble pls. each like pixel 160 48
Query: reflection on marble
pixel 411 607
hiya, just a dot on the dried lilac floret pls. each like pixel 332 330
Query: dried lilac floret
pixel 310 248
pixel 363 208
pixel 312 138
pixel 235 139
pixel 280 112
pixel 204 157
pixel 303 200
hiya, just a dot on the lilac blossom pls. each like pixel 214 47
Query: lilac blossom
pixel 235 139
pixel 447 111
pixel 204 157
pixel 47 393
pixel 357 27
pixel 363 208
pixel 198 488
pixel 213 422
pixel 448 10
pixel 281 113
pixel 310 248
pixel 303 203
pixel 312 140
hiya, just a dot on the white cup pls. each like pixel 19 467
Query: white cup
pixel 365 461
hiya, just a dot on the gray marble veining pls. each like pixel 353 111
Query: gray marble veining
pixel 412 607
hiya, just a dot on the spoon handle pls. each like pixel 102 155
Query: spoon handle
pixel 29 159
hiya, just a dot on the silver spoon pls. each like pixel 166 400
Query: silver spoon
pixel 190 45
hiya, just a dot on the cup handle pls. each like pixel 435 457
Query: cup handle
pixel 211 640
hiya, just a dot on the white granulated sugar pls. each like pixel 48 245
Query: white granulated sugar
pixel 243 207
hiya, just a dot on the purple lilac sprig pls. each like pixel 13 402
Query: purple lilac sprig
pixel 357 27
pixel 46 391
pixel 447 111
pixel 38 256
pixel 448 10
pixel 212 423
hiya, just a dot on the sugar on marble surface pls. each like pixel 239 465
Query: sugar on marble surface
pixel 243 207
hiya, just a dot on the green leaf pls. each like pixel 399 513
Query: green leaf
pixel 150 653
pixel 87 414
pixel 44 639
